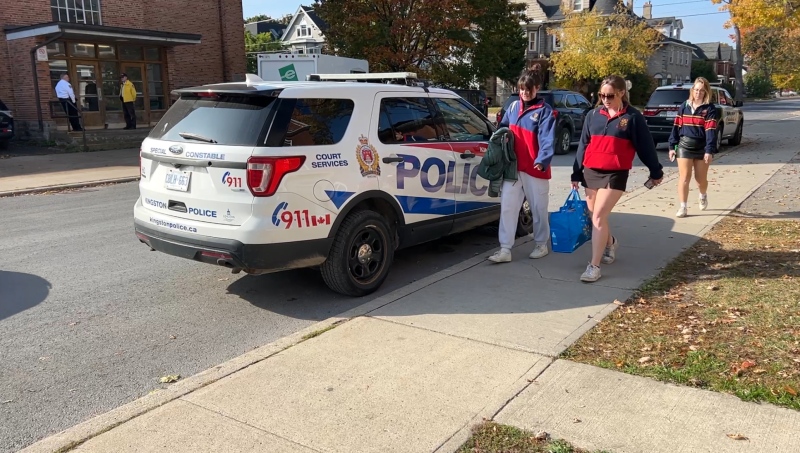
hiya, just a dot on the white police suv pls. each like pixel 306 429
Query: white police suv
pixel 267 176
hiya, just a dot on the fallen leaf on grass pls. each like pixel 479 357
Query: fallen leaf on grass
pixel 790 390
pixel 644 359
pixel 617 302
pixel 542 435
pixel 748 364
pixel 713 288
pixel 169 378
pixel 738 436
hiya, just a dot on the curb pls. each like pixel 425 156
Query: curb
pixel 72 437
pixel 77 185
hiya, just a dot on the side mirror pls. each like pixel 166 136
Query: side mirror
pixel 738 103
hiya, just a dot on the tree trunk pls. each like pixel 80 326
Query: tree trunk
pixel 738 65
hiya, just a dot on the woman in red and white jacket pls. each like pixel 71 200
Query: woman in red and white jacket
pixel 613 134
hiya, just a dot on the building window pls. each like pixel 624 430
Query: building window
pixel 533 43
pixel 304 30
pixel 671 55
pixel 76 11
pixel 577 5
pixel 557 41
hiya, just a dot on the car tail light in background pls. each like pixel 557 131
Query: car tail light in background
pixel 264 174
pixel 660 111
pixel 650 112
pixel 499 116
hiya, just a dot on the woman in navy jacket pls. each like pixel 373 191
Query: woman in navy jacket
pixel 694 142
pixel 612 135
pixel 533 123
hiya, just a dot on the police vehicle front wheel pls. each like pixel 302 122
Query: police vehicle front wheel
pixel 361 255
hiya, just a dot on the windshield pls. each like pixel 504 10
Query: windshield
pixel 227 119
pixel 548 98
pixel 668 97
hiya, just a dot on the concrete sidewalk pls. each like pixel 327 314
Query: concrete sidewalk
pixel 414 370
pixel 39 173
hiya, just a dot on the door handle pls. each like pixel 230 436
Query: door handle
pixel 392 159
pixel 468 155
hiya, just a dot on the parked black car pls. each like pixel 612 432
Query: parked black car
pixel 662 108
pixel 571 109
pixel 6 125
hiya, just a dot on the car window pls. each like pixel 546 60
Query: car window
pixel 559 100
pixel 722 99
pixel 228 119
pixel 668 97
pixel 715 96
pixel 462 123
pixel 728 97
pixel 572 101
pixel 511 99
pixel 317 122
pixel 407 120
pixel 582 101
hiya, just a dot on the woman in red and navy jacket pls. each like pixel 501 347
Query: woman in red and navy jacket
pixel 613 134
pixel 533 123
pixel 694 142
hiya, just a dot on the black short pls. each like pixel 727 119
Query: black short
pixel 684 153
pixel 605 179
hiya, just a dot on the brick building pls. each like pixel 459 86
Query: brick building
pixel 161 44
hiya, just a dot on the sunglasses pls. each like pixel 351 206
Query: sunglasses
pixel 607 96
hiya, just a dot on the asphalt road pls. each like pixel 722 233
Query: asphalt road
pixel 90 319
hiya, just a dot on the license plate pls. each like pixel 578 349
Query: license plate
pixel 670 114
pixel 177 180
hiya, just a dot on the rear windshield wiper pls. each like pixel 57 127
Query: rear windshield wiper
pixel 191 136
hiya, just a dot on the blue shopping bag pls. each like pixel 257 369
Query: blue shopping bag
pixel 571 226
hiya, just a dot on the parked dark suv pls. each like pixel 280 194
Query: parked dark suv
pixel 571 109
pixel 6 125
pixel 662 108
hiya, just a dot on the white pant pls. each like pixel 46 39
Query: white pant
pixel 512 195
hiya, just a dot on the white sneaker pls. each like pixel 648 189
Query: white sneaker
pixel 703 202
pixel 682 212
pixel 610 253
pixel 592 274
pixel 540 251
pixel 501 256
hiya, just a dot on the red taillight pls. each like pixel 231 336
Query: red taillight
pixel 498 117
pixel 555 113
pixel 264 174
pixel 218 255
pixel 650 112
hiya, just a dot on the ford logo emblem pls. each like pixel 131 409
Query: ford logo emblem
pixel 177 149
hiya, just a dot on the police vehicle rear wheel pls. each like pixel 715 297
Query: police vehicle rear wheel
pixel 737 136
pixel 361 255
pixel 525 222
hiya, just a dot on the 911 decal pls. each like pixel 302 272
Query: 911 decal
pixel 297 219
pixel 233 182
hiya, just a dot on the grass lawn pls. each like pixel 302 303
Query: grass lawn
pixel 723 316
pixel 489 437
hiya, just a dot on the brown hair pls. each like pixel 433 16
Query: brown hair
pixel 617 83
pixel 706 90
pixel 531 78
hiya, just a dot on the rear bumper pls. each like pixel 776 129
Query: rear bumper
pixel 659 132
pixel 234 254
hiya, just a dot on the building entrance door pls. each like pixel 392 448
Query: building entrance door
pixel 135 72
pixel 86 83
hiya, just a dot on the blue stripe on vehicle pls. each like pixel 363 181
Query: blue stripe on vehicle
pixel 439 206
pixel 339 197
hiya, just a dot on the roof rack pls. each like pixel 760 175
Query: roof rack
pixel 393 78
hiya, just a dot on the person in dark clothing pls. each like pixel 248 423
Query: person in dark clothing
pixel 694 142
pixel 613 134
pixel 66 96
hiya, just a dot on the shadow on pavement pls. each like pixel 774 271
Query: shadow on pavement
pixel 550 284
pixel 19 292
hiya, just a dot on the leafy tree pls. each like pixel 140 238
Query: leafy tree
pixel 253 44
pixel 258 18
pixel 595 46
pixel 397 35
pixel 703 68
pixel 758 85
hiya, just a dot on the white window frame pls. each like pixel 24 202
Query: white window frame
pixel 63 13
pixel 303 31
pixel 557 41
pixel 577 5
pixel 533 41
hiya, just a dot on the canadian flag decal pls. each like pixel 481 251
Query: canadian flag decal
pixel 321 220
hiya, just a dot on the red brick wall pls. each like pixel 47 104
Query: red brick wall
pixel 220 56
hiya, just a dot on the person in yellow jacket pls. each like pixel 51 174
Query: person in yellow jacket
pixel 127 94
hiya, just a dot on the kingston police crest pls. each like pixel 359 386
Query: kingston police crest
pixel 367 157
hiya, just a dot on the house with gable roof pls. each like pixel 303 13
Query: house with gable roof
pixel 305 33
pixel 721 55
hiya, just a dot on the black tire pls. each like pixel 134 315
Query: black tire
pixel 361 255
pixel 3 144
pixel 737 136
pixel 563 141
pixel 720 132
pixel 525 222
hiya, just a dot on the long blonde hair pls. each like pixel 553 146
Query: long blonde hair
pixel 706 90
